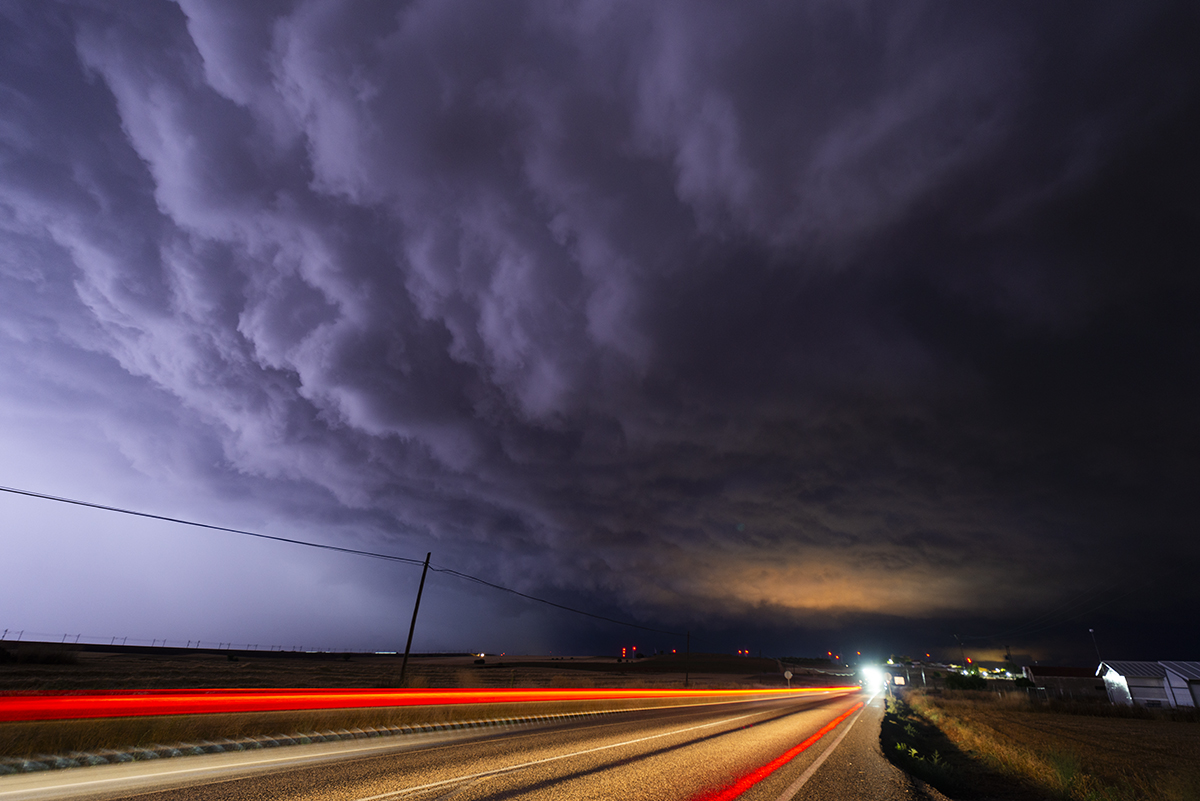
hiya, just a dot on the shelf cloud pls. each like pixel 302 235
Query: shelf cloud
pixel 784 312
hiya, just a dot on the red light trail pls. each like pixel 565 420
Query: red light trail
pixel 18 706
pixel 758 774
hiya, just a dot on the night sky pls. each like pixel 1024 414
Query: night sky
pixel 801 326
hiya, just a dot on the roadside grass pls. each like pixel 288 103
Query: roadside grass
pixel 916 745
pixel 1070 754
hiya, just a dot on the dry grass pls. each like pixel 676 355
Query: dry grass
pixel 916 745
pixel 1072 756
pixel 90 670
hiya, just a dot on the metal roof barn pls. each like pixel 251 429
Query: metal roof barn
pixel 1183 683
pixel 1152 684
pixel 1135 683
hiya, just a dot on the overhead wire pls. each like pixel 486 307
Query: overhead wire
pixel 328 547
pixel 211 527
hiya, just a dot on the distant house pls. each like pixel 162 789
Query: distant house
pixel 1072 683
pixel 1152 684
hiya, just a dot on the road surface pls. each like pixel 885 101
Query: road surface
pixel 777 750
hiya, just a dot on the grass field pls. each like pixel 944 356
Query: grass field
pixel 44 668
pixel 1088 753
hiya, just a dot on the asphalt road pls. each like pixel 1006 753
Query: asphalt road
pixel 812 748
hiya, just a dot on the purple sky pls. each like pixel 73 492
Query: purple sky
pixel 798 325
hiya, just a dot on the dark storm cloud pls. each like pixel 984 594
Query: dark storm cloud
pixel 812 307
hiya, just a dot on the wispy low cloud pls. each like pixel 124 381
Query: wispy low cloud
pixel 686 307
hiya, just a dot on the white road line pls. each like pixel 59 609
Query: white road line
pixel 790 792
pixel 511 768
pixel 76 784
pixel 174 772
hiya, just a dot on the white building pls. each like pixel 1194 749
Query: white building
pixel 1152 684
pixel 1183 682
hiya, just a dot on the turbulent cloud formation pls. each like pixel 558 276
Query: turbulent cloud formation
pixel 795 310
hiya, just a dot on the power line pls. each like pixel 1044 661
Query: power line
pixel 135 513
pixel 327 547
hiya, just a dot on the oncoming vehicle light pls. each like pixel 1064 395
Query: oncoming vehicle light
pixel 872 678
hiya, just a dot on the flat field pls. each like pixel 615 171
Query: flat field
pixel 50 667
pixel 1085 752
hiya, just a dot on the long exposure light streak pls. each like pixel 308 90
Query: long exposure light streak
pixel 133 703
pixel 758 774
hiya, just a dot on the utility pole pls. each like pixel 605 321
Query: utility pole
pixel 1097 647
pixel 413 624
